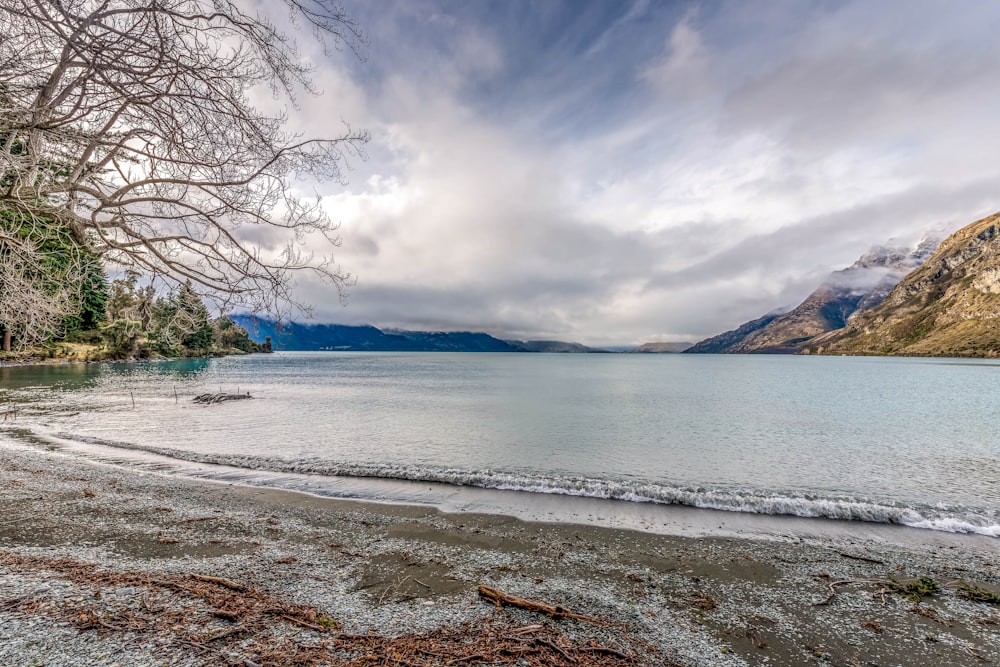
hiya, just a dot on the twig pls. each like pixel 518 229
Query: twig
pixel 975 654
pixel 526 629
pixel 14 602
pixel 221 581
pixel 607 651
pixel 863 559
pixel 238 630
pixel 391 588
pixel 833 589
pixel 546 642
pixel 199 646
pixel 304 624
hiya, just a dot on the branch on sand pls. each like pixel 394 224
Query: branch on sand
pixel 500 599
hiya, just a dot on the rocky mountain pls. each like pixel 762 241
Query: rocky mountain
pixel 724 342
pixel 949 306
pixel 830 307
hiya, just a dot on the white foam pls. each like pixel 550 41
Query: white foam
pixel 954 520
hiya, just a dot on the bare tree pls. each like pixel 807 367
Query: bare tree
pixel 131 123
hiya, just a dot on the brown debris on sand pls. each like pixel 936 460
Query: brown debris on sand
pixel 229 623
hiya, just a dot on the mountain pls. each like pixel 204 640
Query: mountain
pixel 661 348
pixel 453 341
pixel 724 342
pixel 295 336
pixel 830 307
pixel 949 306
pixel 549 346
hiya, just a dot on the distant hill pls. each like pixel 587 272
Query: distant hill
pixel 550 346
pixel 950 306
pixel 843 294
pixel 295 336
pixel 661 348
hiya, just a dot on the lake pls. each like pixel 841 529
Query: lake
pixel 883 440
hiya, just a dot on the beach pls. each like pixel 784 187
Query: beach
pixel 102 565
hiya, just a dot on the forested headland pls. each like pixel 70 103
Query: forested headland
pixel 123 320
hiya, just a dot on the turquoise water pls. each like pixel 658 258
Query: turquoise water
pixel 910 441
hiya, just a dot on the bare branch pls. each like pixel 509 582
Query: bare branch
pixel 130 125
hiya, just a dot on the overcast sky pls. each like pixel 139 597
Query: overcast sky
pixel 615 172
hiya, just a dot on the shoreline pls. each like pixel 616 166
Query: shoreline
pixel 675 518
pixel 402 570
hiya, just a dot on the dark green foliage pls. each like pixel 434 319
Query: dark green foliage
pixel 127 318
pixel 121 338
pixel 164 337
pixel 180 325
pixel 92 300
pixel 914 590
pixel 126 300
pixel 231 336
pixel 198 335
pixel 976 593
pixel 49 281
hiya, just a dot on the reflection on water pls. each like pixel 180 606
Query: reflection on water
pixel 22 384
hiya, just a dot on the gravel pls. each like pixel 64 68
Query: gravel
pixel 395 570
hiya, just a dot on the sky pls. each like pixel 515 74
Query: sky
pixel 613 172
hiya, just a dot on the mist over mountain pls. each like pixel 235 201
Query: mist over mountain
pixel 949 306
pixel 862 285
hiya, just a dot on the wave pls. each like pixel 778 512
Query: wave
pixel 731 500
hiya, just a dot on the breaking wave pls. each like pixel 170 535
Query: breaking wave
pixel 731 500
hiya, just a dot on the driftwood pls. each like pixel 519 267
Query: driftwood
pixel 211 399
pixel 220 581
pixel 499 598
pixel 863 559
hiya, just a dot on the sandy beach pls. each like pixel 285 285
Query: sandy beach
pixel 101 565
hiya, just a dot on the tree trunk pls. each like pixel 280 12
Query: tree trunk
pixel 6 340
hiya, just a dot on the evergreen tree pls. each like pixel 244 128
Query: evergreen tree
pixel 92 300
pixel 45 277
pixel 198 333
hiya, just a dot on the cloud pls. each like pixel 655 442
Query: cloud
pixel 683 71
pixel 626 172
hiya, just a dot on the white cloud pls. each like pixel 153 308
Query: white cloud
pixel 610 185
pixel 683 72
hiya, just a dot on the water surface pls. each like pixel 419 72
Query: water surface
pixel 909 441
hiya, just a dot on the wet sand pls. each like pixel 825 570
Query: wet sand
pixel 694 587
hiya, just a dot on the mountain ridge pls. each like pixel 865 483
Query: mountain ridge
pixel 949 306
pixel 299 337
pixel 829 307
